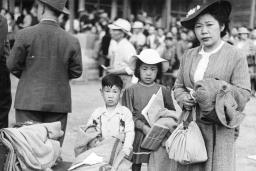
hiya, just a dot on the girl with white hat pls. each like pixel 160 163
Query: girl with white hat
pixel 149 68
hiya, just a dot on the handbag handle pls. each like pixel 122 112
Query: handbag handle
pixel 186 115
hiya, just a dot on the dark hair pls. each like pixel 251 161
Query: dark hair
pixel 112 80
pixel 222 19
pixel 137 69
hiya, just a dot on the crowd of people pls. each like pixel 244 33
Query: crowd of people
pixel 146 32
pixel 198 59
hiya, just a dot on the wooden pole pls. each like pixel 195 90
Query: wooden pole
pixel 113 9
pixel 71 16
pixel 11 5
pixel 168 13
pixel 252 16
pixel 125 8
pixel 81 5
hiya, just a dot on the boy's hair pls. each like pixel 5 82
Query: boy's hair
pixel 137 69
pixel 112 80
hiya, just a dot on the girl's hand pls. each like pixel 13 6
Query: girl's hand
pixel 145 129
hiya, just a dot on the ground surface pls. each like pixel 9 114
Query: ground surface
pixel 86 97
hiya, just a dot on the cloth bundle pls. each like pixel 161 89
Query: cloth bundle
pixel 186 144
pixel 110 150
pixel 32 147
pixel 219 102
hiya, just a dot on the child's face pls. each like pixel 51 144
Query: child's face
pixel 111 95
pixel 148 73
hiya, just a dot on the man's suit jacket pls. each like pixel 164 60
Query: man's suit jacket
pixel 45 58
pixel 5 85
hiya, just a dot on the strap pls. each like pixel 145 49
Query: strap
pixel 113 152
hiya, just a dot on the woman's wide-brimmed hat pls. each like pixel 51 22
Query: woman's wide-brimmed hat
pixel 58 5
pixel 121 24
pixel 224 7
pixel 151 56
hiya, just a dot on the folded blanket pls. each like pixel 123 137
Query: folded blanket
pixel 31 147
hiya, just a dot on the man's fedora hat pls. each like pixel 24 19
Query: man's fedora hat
pixel 58 5
pixel 223 6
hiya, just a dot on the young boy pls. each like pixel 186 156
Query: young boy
pixel 113 119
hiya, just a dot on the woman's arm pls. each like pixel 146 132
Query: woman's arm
pixel 240 81
pixel 181 94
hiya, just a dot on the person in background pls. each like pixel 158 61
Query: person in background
pixel 152 41
pixel 18 17
pixel 138 39
pixel 11 27
pixel 103 51
pixel 33 13
pixel 252 62
pixel 234 35
pixel 219 61
pixel 45 58
pixel 122 52
pixel 182 44
pixel 3 12
pixel 169 52
pixel 244 42
pixel 27 20
pixel 5 83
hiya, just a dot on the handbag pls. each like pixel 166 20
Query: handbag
pixel 186 144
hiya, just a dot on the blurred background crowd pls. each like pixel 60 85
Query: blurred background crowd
pixel 91 28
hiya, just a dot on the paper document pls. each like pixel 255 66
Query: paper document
pixel 253 157
pixel 90 160
pixel 155 104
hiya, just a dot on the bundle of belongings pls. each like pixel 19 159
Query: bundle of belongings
pixel 220 102
pixel 161 120
pixel 31 147
pixel 93 153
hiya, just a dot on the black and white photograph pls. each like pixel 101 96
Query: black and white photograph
pixel 127 85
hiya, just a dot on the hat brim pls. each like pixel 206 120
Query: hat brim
pixel 65 10
pixel 225 6
pixel 150 61
pixel 116 27
pixel 220 108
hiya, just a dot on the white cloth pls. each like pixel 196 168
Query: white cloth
pixel 110 124
pixel 121 54
pixel 138 39
pixel 203 63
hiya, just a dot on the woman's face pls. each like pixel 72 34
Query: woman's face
pixel 148 73
pixel 207 30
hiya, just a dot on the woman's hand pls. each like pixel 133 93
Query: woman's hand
pixel 188 102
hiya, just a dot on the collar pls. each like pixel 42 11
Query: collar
pixel 202 52
pixel 105 111
pixel 145 85
pixel 48 19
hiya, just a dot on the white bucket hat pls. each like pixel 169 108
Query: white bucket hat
pixel 137 25
pixel 243 30
pixel 121 24
pixel 151 56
